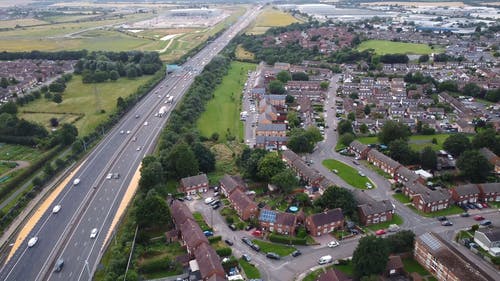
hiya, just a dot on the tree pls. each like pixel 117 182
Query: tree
pixel 474 166
pixel 151 173
pixel 363 128
pixel 9 107
pixel 249 161
pixel 276 87
pixel 337 197
pixel 486 138
pixel 57 98
pixel 4 83
pixel 367 109
pixel 428 159
pixel 113 75
pixel 344 126
pixel 120 103
pixel 285 180
pixel 301 140
pixel 57 87
pixel 54 122
pixel 400 151
pixel 423 58
pixel 346 138
pixel 471 89
pixel 300 76
pixel 67 134
pixel 269 166
pixel 289 99
pixel 180 162
pixel 284 76
pixel 153 211
pixel 448 85
pixel 370 256
pixel 324 85
pixel 351 116
pixel 131 72
pixel 392 131
pixel 293 119
pixel 401 242
pixel 456 144
pixel 205 157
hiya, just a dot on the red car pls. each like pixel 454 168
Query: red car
pixel 380 232
pixel 257 233
pixel 478 218
pixel 485 205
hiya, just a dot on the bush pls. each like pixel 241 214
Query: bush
pixel 290 240
pixel 214 239
pixel 229 220
pixel 224 252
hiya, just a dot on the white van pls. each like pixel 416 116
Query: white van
pixel 325 259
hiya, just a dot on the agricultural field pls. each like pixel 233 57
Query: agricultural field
pixel 347 173
pixel 81 99
pixel 271 17
pixel 20 22
pixel 13 152
pixel 383 47
pixel 222 114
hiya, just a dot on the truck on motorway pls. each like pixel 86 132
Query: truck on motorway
pixel 162 111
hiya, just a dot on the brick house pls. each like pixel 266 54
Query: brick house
pixel 194 184
pixel 382 161
pixel 209 263
pixel 271 130
pixel 431 200
pixel 180 212
pixel 359 149
pixel 404 175
pixel 468 193
pixel 308 174
pixel 394 266
pixel 371 211
pixel 192 235
pixel 325 222
pixel 333 275
pixel 490 192
pixel 492 158
pixel 279 222
pixel 229 183
pixel 244 206
pixel 440 258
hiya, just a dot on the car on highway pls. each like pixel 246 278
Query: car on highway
pixel 122 132
pixel 478 218
pixel 229 242
pixel 296 253
pixel 137 116
pixel 93 233
pixel 128 132
pixel 273 256
pixel 76 181
pixel 145 123
pixel 59 265
pixel 56 209
pixel 333 244
pixel 32 241
pixel 139 148
pixel 109 176
pixel 116 176
pixel 380 232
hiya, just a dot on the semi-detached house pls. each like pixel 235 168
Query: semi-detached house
pixel 194 184
pixel 325 222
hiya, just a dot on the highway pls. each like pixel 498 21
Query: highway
pixel 94 201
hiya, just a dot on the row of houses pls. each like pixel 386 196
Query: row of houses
pixel 423 198
pixel 204 261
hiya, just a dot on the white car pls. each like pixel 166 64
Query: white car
pixel 122 132
pixel 139 148
pixel 128 132
pixel 109 176
pixel 145 123
pixel 361 174
pixel 56 209
pixel 32 241
pixel 369 185
pixel 333 244
pixel 76 181
pixel 93 233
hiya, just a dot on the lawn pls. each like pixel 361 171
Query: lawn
pixel 417 142
pixel 383 47
pixel 401 198
pixel 279 249
pixel 452 210
pixel 79 98
pixel 411 265
pixel 251 271
pixel 222 114
pixel 201 221
pixel 396 219
pixel 347 173
pixel 271 17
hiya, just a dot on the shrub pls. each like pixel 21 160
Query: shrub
pixel 290 240
pixel 224 252
pixel 214 239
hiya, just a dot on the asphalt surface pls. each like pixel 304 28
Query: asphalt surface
pixel 94 201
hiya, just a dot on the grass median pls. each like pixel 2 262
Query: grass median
pixel 347 173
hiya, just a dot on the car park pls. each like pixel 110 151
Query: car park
pixel 32 241
pixel 273 256
pixel 229 242
pixel 93 233
pixel 333 244
pixel 296 253
pixel 56 209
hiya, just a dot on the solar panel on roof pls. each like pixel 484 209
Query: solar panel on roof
pixel 267 215
pixel 431 241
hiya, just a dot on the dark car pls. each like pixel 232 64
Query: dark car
pixel 485 222
pixel 464 215
pixel 255 247
pixel 232 227
pixel 296 253
pixel 216 206
pixel 446 223
pixel 247 241
pixel 273 256
pixel 442 218
pixel 229 242
pixel 59 265
pixel 248 227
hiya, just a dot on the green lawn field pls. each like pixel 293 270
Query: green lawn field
pixel 279 249
pixel 347 173
pixel 270 18
pixel 383 47
pixel 79 98
pixel 417 142
pixel 222 114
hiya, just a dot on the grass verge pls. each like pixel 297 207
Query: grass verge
pixel 267 247
pixel 347 173
pixel 250 270
pixel 401 198
pixel 396 219
pixel 452 210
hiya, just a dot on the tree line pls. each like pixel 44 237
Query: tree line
pixel 41 55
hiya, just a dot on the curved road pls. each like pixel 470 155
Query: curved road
pixel 94 201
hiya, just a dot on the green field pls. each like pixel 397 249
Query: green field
pixel 271 17
pixel 383 47
pixel 12 152
pixel 417 142
pixel 347 173
pixel 279 249
pixel 79 98
pixel 222 114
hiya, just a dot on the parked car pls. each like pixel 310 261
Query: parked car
pixel 215 207
pixel 208 233
pixel 369 185
pixel 355 162
pixel 229 242
pixel 296 253
pixel 232 227
pixel 246 257
pixel 471 206
pixel 446 223
pixel 380 232
pixel 255 247
pixel 273 256
pixel 485 205
pixel 478 218
pixel 247 241
pixel 442 218
pixel 249 227
pixel 485 222
pixel 478 205
pixel 335 171
pixel 361 174
pixel 333 244
pixel 464 215
pixel 257 233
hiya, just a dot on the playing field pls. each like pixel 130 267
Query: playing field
pixel 271 17
pixel 382 47
pixel 222 114
pixel 78 99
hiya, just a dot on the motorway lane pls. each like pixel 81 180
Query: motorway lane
pixel 30 264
